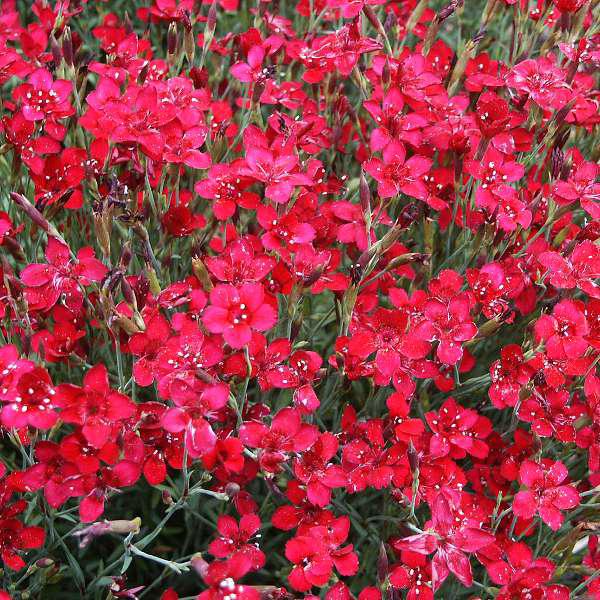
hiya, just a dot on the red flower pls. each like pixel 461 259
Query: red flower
pixel 302 371
pixel 95 407
pixel 317 551
pixel 236 312
pixel 414 574
pixel 315 470
pixel 508 375
pixel 541 81
pixel 452 537
pixel 61 277
pixel 44 98
pixel 564 331
pixel 395 174
pixel 225 185
pixel 275 166
pixel 448 321
pixel 234 543
pixel 580 269
pixel 287 434
pixel 33 402
pixel 545 494
pixel 458 431
pixel 15 537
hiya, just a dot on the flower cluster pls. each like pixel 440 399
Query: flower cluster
pixel 299 299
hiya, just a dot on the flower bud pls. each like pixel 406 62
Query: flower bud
pixel 44 563
pixel 56 51
pixel 364 193
pixel 127 24
pixel 383 565
pixel 558 160
pixel 386 75
pixel 189 44
pixel 127 292
pixel 199 565
pixel 413 457
pixel 172 39
pixel 232 489
pixel 124 527
pixel 101 228
pixel 200 271
pixel 67 47
pixel 36 216
pixel 313 276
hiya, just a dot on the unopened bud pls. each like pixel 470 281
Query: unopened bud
pixel 124 527
pixel 127 325
pixel 488 328
pixel 390 22
pixel 199 565
pixel 413 457
pixel 200 271
pixel 141 78
pixel 56 51
pixel 89 533
pixel 211 21
pixel 416 15
pixel 44 563
pixel 189 46
pixel 386 74
pixel 364 193
pixel 449 9
pixel 36 216
pixel 102 234
pixel 383 565
pixel 461 64
pixel 67 47
pixel 172 40
pixel 127 292
pixel 313 277
pixel 125 257
pixel 259 88
pixel 372 17
pixel 127 23
pixel 232 489
pixel 558 160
